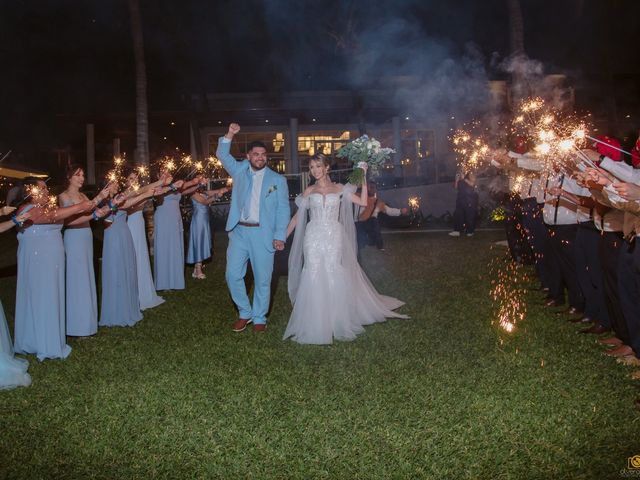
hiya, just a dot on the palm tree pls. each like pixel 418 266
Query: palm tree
pixel 516 28
pixel 142 119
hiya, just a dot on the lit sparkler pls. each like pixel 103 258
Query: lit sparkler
pixel 471 148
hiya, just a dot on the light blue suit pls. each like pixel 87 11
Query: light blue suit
pixel 253 244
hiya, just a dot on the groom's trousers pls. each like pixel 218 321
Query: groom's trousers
pixel 246 244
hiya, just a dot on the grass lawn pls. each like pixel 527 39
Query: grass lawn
pixel 442 395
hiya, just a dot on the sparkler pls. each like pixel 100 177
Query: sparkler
pixel 142 171
pixel 32 191
pixel 415 217
pixel 471 147
pixel 197 167
pixel 582 134
pixel 115 174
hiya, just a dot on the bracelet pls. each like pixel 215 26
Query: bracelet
pixel 172 187
pixel 94 216
pixel 112 206
pixel 17 222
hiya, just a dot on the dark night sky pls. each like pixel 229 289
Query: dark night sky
pixel 75 56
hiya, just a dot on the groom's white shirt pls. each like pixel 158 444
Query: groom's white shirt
pixel 253 215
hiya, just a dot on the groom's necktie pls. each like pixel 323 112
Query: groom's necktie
pixel 246 207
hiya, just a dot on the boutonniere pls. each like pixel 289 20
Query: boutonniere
pixel 272 189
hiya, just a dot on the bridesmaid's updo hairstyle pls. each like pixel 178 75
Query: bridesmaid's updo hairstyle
pixel 72 169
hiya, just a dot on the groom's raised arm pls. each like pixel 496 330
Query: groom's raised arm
pixel 283 211
pixel 223 152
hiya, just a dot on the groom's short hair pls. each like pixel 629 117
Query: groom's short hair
pixel 254 144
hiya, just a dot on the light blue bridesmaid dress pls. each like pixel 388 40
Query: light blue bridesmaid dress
pixel 168 244
pixel 13 371
pixel 40 293
pixel 82 303
pixel 199 233
pixel 146 287
pixel 120 306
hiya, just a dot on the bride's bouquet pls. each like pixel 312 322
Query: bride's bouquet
pixel 364 150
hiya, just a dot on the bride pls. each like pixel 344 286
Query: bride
pixel 331 295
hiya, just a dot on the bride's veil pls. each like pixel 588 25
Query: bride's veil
pixel 297 248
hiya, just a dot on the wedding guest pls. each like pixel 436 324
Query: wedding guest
pixel 14 193
pixel 120 300
pixel 466 212
pixel 200 230
pixel 135 221
pixel 168 237
pixel 367 224
pixel 560 216
pixel 589 271
pixel 40 294
pixel 626 197
pixel 81 299
pixel 13 371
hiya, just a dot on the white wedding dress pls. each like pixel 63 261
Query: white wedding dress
pixel 332 297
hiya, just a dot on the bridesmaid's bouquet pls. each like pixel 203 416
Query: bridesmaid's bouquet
pixel 364 150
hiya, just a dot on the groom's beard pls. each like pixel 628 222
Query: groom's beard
pixel 258 168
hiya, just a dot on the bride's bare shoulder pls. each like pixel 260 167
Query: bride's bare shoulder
pixel 308 191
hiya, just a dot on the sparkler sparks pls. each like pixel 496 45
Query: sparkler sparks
pixel 508 292
pixel 471 147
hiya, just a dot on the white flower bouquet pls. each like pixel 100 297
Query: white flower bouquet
pixel 364 150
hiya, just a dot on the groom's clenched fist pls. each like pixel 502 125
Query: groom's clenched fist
pixel 233 129
pixel 278 245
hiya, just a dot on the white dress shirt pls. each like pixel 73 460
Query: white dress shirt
pixel 583 214
pixel 253 215
pixel 558 210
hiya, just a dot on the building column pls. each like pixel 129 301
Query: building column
pixel 193 145
pixel 91 155
pixel 293 165
pixel 397 146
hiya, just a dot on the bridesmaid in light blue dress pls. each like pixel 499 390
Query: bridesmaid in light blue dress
pixel 168 238
pixel 120 305
pixel 135 221
pixel 81 300
pixel 200 230
pixel 40 293
pixel 13 371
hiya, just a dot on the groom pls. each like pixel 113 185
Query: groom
pixel 257 226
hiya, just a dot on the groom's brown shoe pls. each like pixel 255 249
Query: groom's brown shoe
pixel 240 324
pixel 259 327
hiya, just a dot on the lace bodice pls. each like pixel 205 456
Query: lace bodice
pixel 324 208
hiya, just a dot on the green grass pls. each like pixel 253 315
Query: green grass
pixel 442 395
